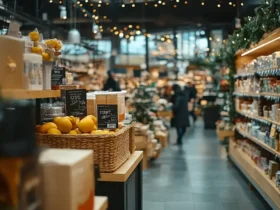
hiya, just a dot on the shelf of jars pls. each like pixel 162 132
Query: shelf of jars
pixel 261 178
pixel 258 95
pixel 257 141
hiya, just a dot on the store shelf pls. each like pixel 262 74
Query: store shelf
pixel 264 72
pixel 254 94
pixel 259 142
pixel 29 94
pixel 100 203
pixel 256 176
pixel 269 45
pixel 123 173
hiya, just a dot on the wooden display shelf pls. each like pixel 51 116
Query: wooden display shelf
pixel 100 203
pixel 259 142
pixel 29 94
pixel 141 143
pixel 123 173
pixel 259 118
pixel 256 176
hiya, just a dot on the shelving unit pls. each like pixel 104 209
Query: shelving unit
pixel 266 187
pixel 256 176
pixel 258 142
pixel 29 94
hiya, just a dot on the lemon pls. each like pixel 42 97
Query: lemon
pixel 86 125
pixel 73 132
pixel 34 36
pixel 64 125
pixel 45 56
pixel 93 118
pixel 78 131
pixel 54 131
pixel 97 132
pixel 45 127
pixel 55 120
pixel 37 50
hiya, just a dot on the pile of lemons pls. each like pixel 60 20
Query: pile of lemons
pixel 72 125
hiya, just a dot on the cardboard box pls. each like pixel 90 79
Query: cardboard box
pixel 11 63
pixel 67 179
pixel 273 167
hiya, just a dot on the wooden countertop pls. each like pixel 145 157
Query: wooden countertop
pixel 100 203
pixel 123 173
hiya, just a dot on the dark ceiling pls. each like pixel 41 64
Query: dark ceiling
pixel 186 14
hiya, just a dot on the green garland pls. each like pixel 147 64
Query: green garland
pixel 266 19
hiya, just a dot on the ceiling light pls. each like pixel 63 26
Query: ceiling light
pixel 130 26
pixel 159 1
pixel 155 5
pixel 99 5
pixel 126 36
pixel 186 2
pixel 123 5
pixel 175 6
pixel 138 32
pixel 133 5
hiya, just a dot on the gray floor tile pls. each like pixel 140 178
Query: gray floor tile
pixel 148 205
pixel 179 206
pixel 208 206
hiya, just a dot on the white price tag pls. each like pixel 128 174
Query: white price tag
pixel 28 43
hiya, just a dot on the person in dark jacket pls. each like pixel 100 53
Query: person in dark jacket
pixel 190 90
pixel 111 84
pixel 180 112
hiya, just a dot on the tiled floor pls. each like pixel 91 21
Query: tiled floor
pixel 197 176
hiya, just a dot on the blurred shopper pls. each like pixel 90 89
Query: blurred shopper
pixel 111 84
pixel 180 112
pixel 191 93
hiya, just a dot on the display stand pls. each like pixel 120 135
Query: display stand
pixel 265 186
pixel 141 143
pixel 100 203
pixel 124 186
pixel 29 94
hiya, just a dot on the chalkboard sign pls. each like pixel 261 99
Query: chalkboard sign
pixel 58 75
pixel 75 102
pixel 107 116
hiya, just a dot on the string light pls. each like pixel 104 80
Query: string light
pixel 86 1
pixel 51 1
pixel 129 26
pixel 96 17
pixel 116 33
pixel 159 1
pixel 242 4
pixel 104 17
pixel 60 2
pixel 81 5
pixel 121 35
pixel 125 28
pixel 123 5
pixel 78 2
pixel 137 26
pixel 100 2
pixel 218 5
pixel 175 6
pixel 202 3
pixel 163 3
pixel 91 5
pixel 115 28
pixel 101 30
pixel 107 4
pixel 138 32
pixel 133 5
pixel 93 16
pixel 177 1
pixel 132 37
pixel 85 14
pixel 84 10
pixel 155 5
pixel 146 3
pixel 210 38
pixel 126 36
pixel 233 5
pixel 99 5
pixel 186 2
pixel 100 26
pixel 94 10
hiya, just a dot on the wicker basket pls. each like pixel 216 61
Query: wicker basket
pixel 110 151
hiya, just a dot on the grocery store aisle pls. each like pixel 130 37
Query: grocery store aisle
pixel 197 176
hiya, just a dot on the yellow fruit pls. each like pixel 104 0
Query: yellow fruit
pixel 86 125
pixel 54 131
pixel 73 132
pixel 34 36
pixel 78 131
pixel 111 132
pixel 55 120
pixel 64 125
pixel 45 127
pixel 45 56
pixel 106 131
pixel 37 50
pixel 93 118
pixel 97 132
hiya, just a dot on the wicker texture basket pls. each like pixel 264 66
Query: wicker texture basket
pixel 110 151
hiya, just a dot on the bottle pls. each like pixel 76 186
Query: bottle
pixel 19 179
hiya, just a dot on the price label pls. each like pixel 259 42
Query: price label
pixel 28 43
pixel 58 76
pixel 75 102
pixel 107 116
